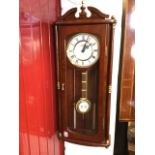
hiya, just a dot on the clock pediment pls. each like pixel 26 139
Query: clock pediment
pixel 96 16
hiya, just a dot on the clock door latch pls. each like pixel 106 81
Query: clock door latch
pixel 62 86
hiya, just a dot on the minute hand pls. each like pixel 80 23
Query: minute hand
pixel 84 47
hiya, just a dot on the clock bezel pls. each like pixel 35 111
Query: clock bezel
pixel 95 37
pixel 78 104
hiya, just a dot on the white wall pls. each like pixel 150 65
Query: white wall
pixel 111 7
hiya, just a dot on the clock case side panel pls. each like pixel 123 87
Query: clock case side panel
pixel 64 21
pixel 109 82
pixel 58 82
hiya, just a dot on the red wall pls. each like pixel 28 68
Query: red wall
pixel 37 79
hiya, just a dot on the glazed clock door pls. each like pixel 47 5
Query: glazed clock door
pixel 84 53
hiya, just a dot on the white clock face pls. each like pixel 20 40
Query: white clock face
pixel 83 50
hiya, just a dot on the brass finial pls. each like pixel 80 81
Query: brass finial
pixel 82 2
pixel 83 13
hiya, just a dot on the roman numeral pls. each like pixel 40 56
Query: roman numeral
pixel 83 37
pixel 93 56
pixel 88 38
pixel 96 50
pixel 76 61
pixel 77 39
pixel 72 56
pixel 93 44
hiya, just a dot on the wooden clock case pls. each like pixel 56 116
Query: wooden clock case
pixel 91 128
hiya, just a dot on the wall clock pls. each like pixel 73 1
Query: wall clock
pixel 84 62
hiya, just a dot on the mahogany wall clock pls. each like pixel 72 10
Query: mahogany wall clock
pixel 84 63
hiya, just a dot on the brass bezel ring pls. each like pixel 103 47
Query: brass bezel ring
pixel 97 41
pixel 78 103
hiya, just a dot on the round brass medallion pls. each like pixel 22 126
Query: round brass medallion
pixel 83 105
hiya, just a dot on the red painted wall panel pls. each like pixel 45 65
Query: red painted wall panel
pixel 37 79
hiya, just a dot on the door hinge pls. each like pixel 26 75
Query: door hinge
pixel 62 86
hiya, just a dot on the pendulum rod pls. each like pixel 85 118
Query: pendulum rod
pixel 84 84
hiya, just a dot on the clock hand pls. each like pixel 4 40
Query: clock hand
pixel 85 47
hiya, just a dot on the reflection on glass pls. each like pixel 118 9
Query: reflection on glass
pixel 132 20
pixel 133 51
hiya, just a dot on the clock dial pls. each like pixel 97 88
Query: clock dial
pixel 83 50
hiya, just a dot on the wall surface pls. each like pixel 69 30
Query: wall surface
pixel 111 7
pixel 37 82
